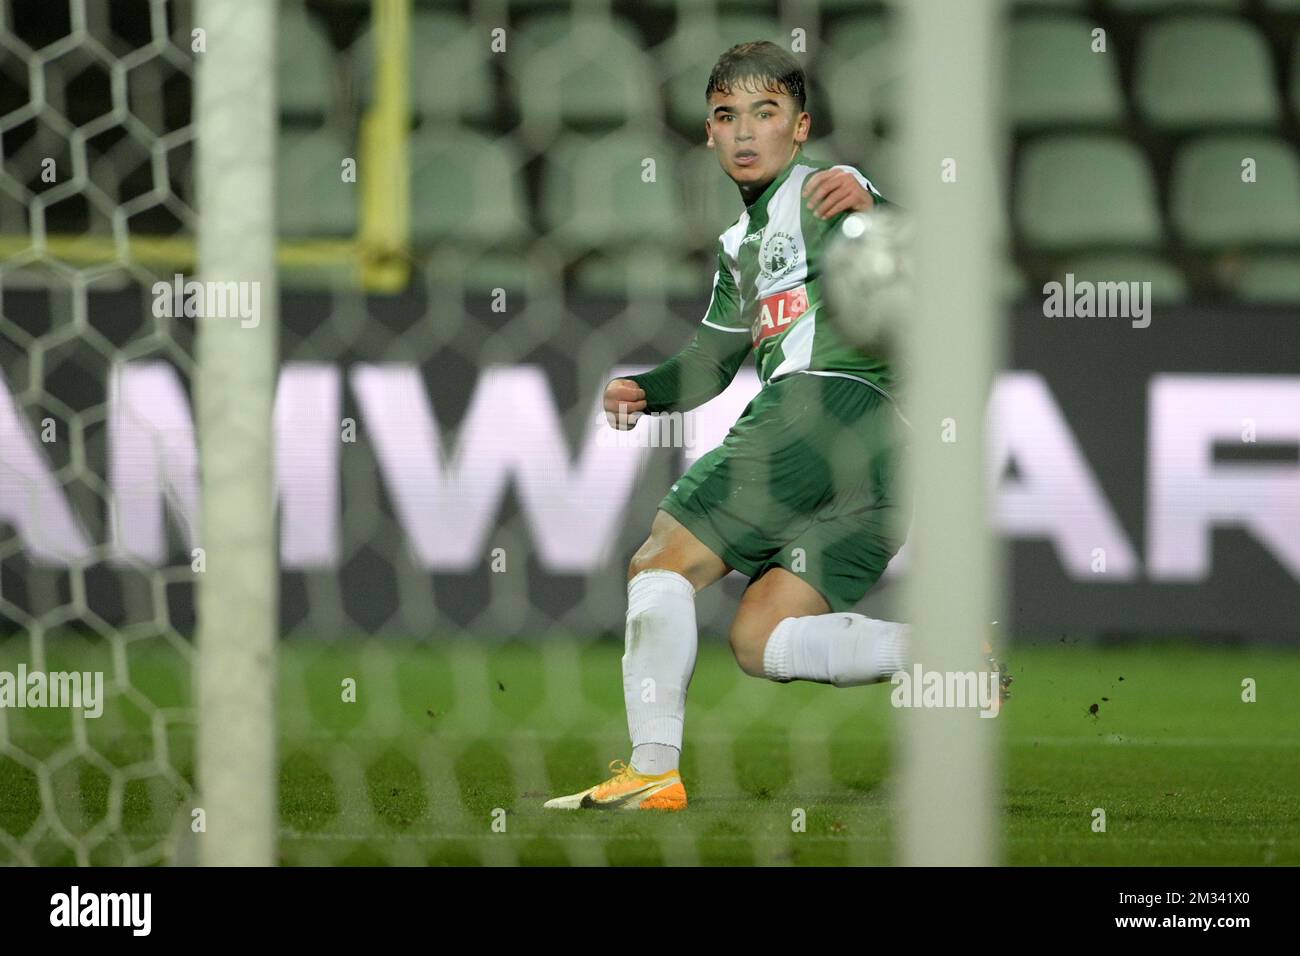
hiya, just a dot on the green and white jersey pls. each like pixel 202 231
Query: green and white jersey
pixel 767 297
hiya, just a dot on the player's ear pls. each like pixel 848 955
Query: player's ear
pixel 803 125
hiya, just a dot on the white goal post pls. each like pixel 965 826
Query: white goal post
pixel 947 809
pixel 236 125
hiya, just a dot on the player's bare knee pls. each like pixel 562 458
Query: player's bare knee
pixel 636 565
pixel 656 555
pixel 649 557
pixel 748 639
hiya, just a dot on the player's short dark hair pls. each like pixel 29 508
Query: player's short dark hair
pixel 762 62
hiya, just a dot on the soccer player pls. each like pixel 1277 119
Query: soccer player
pixel 801 495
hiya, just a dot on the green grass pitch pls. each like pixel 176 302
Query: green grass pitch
pixel 447 738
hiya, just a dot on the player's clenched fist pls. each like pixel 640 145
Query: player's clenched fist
pixel 624 403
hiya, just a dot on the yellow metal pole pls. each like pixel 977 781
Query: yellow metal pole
pixel 385 175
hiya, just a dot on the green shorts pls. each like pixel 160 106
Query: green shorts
pixel 805 480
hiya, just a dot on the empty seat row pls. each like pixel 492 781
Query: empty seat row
pixel 1089 200
pixel 1072 191
pixel 1224 191
pixel 1153 6
pixel 468 187
pixel 1192 70
pixel 683 7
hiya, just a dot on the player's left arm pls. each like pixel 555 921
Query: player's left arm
pixel 839 189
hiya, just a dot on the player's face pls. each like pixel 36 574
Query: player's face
pixel 754 132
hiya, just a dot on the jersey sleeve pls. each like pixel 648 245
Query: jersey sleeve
pixel 709 361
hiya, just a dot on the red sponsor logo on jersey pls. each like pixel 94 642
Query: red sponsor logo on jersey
pixel 777 312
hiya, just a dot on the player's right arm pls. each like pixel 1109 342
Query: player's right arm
pixel 698 372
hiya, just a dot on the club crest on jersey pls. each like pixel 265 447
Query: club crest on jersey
pixel 778 254
pixel 776 313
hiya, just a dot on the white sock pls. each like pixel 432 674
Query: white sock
pixel 840 649
pixel 655 758
pixel 658 662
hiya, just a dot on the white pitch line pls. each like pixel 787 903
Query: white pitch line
pixel 1262 842
pixel 542 835
pixel 1122 741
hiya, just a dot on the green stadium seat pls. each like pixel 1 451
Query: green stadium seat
pixel 593 194
pixel 862 73
pixel 688 56
pixel 648 271
pixel 540 30
pixel 748 6
pixel 312 198
pixel 1055 77
pixel 857 6
pixel 582 71
pixel 1272 280
pixel 688 8
pixel 743 26
pixel 450 71
pixel 1211 207
pixel 1157 6
pixel 305 73
pixel 1168 284
pixel 466 187
pixel 855 36
pixel 1086 190
pixel 1200 71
